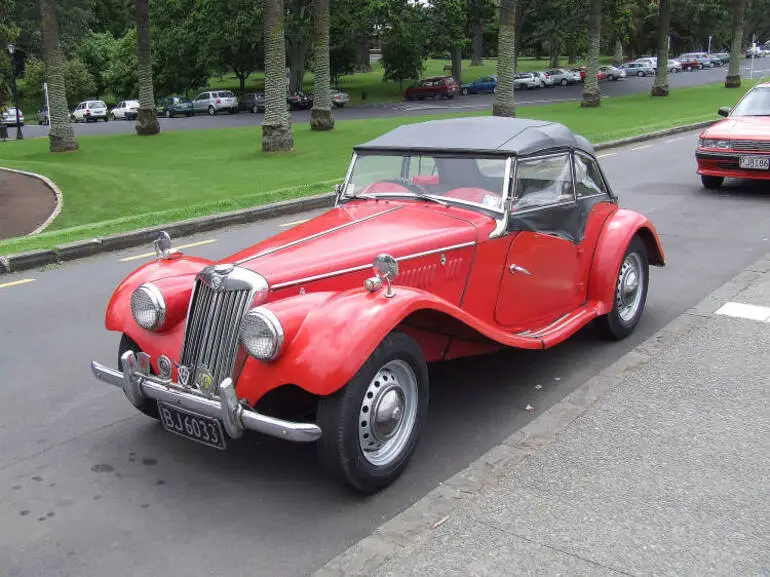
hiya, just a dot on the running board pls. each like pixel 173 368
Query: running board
pixel 562 328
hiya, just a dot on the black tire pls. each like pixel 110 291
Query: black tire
pixel 150 407
pixel 711 182
pixel 612 325
pixel 564 82
pixel 212 111
pixel 338 416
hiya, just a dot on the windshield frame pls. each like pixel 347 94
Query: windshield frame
pixel 744 97
pixel 495 212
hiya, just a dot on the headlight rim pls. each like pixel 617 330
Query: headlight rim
pixel 275 327
pixel 156 297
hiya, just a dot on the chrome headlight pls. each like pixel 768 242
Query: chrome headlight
pixel 713 143
pixel 148 307
pixel 262 334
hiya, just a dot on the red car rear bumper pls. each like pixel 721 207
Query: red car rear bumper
pixel 725 164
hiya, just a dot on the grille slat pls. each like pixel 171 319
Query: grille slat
pixel 750 145
pixel 211 333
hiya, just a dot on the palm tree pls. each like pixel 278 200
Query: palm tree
pixel 733 78
pixel 61 137
pixel 276 127
pixel 591 94
pixel 505 103
pixel 321 116
pixel 660 85
pixel 147 119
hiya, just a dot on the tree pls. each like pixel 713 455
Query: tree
pixel 660 85
pixel 97 51
pixel 8 34
pixel 505 104
pixel 479 12
pixel 321 115
pixel 276 127
pixel 733 78
pixel 447 31
pixel 61 137
pixel 147 119
pixel 404 47
pixel 298 31
pixel 591 94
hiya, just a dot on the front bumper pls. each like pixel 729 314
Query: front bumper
pixel 139 385
pixel 725 164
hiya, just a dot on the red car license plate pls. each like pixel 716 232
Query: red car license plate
pixel 754 162
pixel 192 426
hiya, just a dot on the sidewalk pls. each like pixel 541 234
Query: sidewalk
pixel 658 466
pixel 25 203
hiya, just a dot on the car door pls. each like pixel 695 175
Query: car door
pixel 542 276
pixel 199 104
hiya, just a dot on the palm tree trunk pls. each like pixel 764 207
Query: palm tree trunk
pixel 61 137
pixel 733 79
pixel 591 94
pixel 660 85
pixel 147 119
pixel 276 127
pixel 505 103
pixel 478 44
pixel 321 115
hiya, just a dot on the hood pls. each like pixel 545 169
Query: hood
pixel 352 235
pixel 740 127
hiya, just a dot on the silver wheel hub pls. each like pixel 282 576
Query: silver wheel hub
pixel 629 290
pixel 388 413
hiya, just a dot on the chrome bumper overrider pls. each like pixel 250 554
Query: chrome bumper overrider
pixel 138 385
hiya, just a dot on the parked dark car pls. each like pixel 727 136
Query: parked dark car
pixel 484 84
pixel 252 102
pixel 435 86
pixel 299 100
pixel 175 106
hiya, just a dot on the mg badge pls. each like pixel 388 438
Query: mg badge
pixel 184 375
pixel 216 282
pixel 164 367
pixel 204 380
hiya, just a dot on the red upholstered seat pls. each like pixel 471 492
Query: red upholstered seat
pixel 384 187
pixel 469 194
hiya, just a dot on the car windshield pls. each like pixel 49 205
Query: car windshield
pixel 755 103
pixel 466 179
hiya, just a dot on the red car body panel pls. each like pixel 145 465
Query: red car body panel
pixel 723 162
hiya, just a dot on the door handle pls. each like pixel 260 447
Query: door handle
pixel 514 268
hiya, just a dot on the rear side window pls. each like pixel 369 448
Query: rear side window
pixel 588 179
pixel 543 181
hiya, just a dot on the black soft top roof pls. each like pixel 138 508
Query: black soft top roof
pixel 488 134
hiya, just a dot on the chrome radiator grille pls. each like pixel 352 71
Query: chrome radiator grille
pixel 211 334
pixel 751 145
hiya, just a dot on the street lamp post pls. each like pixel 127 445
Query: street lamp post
pixel 11 51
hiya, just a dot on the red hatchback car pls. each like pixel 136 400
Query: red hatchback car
pixel 447 239
pixel 739 145
pixel 438 86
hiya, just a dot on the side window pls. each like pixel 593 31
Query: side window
pixel 588 179
pixel 542 181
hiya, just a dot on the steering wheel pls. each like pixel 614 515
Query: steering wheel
pixel 406 183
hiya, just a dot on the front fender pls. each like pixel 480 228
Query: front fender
pixel 618 231
pixel 328 336
pixel 174 278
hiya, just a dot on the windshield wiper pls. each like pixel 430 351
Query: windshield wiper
pixel 425 196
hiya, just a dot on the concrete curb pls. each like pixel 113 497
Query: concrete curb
pixel 90 247
pixel 409 529
pixel 56 192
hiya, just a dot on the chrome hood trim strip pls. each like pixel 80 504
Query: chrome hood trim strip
pixel 316 235
pixel 358 268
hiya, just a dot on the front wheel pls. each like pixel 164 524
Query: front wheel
pixel 630 292
pixel 150 407
pixel 711 182
pixel 212 111
pixel 372 425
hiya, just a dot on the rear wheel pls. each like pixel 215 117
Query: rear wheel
pixel 372 425
pixel 150 407
pixel 630 292
pixel 711 182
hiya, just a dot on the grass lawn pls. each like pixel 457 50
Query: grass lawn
pixel 123 182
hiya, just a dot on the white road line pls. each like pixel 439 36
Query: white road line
pixel 607 154
pixel 744 311
pixel 670 140
pixel 285 224
pixel 640 147
pixel 149 254
pixel 16 282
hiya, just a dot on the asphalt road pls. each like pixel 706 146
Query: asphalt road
pixel 631 85
pixel 90 487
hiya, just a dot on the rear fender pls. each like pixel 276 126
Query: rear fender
pixel 617 233
pixel 329 336
pixel 174 278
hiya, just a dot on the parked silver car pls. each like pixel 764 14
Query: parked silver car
pixel 563 76
pixel 612 72
pixel 637 69
pixel 527 80
pixel 213 101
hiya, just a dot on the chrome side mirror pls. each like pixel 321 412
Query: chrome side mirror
pixel 162 246
pixel 387 269
pixel 724 111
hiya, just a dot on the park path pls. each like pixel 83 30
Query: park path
pixel 25 204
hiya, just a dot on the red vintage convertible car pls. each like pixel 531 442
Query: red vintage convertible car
pixel 739 145
pixel 447 239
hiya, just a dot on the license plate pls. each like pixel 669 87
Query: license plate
pixel 754 162
pixel 192 426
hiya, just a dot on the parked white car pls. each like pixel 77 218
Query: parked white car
pixel 527 80
pixel 339 98
pixel 9 117
pixel 125 110
pixel 213 101
pixel 90 111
